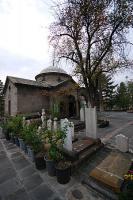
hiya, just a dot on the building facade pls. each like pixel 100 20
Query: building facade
pixel 52 86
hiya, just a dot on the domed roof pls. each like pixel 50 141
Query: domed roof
pixel 53 69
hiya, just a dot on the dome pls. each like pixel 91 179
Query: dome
pixel 53 69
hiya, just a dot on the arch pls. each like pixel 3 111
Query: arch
pixel 72 106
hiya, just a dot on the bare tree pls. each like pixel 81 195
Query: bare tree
pixel 91 34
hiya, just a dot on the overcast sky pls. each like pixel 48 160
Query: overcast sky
pixel 24 30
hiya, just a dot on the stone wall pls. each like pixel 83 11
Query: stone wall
pixel 30 99
pixel 11 95
pixel 52 79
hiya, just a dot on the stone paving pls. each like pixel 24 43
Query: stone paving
pixel 20 180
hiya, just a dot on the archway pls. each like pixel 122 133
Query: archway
pixel 72 106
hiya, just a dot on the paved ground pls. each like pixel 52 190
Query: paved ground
pixel 19 180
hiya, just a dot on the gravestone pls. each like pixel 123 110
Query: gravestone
pixel 24 121
pixel 91 122
pixel 82 109
pixel 71 127
pixel 39 130
pixel 43 118
pixel 82 114
pixel 55 126
pixel 49 124
pixel 28 122
pixel 122 143
pixel 68 140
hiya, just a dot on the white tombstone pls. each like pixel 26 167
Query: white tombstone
pixel 71 127
pixel 28 122
pixel 43 110
pixel 62 123
pixel 68 140
pixel 39 130
pixel 49 124
pixel 24 121
pixel 122 143
pixel 1 133
pixel 55 126
pixel 91 122
pixel 43 118
pixel 82 114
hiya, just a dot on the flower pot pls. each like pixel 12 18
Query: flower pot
pixel 50 166
pixel 31 153
pixel 12 138
pixel 39 161
pixel 22 144
pixel 63 175
pixel 7 135
pixel 16 141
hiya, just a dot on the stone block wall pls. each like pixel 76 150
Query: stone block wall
pixel 11 95
pixel 30 99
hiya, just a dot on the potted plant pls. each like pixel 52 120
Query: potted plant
pixel 17 127
pixel 7 129
pixel 34 145
pixel 63 171
pixel 63 166
pixel 50 149
pixel 55 161
pixel 51 140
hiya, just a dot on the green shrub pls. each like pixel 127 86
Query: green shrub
pixel 31 138
pixel 14 125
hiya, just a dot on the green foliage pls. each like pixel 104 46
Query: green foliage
pixel 107 91
pixel 130 93
pixel 31 138
pixel 92 36
pixel 55 111
pixel 14 125
pixel 56 141
pixel 122 98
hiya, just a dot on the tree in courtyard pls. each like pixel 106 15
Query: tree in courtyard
pixel 106 91
pixel 122 98
pixel 91 34
pixel 130 93
pixel 1 99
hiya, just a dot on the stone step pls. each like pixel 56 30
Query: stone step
pixel 98 187
pixel 79 147
pixel 83 156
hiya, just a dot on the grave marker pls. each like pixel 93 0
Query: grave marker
pixel 68 140
pixel 91 122
pixel 122 143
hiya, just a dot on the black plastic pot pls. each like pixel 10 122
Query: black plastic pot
pixel 31 153
pixel 12 139
pixel 17 141
pixel 50 166
pixel 63 175
pixel 39 161
pixel 7 135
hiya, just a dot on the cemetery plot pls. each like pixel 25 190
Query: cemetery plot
pixel 110 172
pixel 82 150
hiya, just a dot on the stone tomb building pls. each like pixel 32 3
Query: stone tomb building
pixel 52 86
